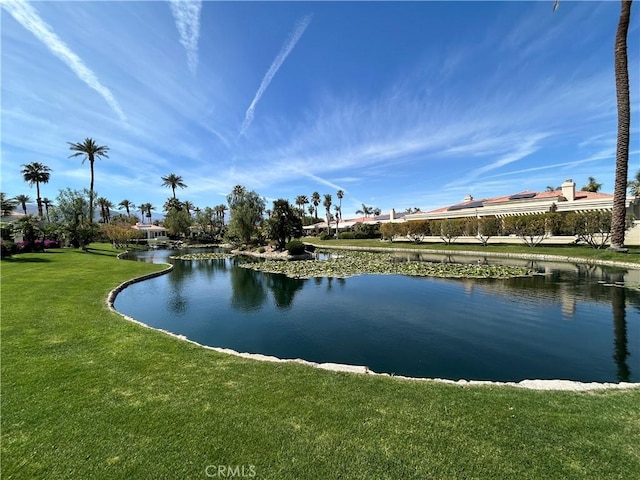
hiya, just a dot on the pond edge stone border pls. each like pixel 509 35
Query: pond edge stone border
pixel 531 384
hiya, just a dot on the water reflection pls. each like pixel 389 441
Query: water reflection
pixel 454 328
pixel 284 289
pixel 621 350
pixel 247 290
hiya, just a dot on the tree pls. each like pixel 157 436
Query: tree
pixel 486 227
pixel 120 233
pixel 105 208
pixel 29 227
pixel 327 205
pixel 618 220
pixel 145 211
pixel 127 204
pixel 592 186
pixel 315 199
pixel 47 203
pixel 633 186
pixel 283 224
pixel 177 222
pixel 340 195
pixel 623 103
pixel 36 173
pixel 23 200
pixel 8 205
pixel 172 180
pixel 71 213
pixel 338 217
pixel 301 201
pixel 173 203
pixel 90 150
pixel 365 211
pixel 189 207
pixel 246 210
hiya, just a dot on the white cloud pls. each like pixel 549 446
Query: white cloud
pixel 273 69
pixel 28 17
pixel 187 17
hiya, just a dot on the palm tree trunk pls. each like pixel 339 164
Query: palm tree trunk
pixel 39 202
pixel 91 193
pixel 624 119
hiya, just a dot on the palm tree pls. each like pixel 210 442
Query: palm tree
pixel 149 207
pixel 37 173
pixel 301 201
pixel 365 211
pixel 90 150
pixel 47 203
pixel 315 199
pixel 327 206
pixel 621 70
pixel 7 205
pixel 145 210
pixel 23 200
pixel 220 211
pixel 126 204
pixel 105 209
pixel 173 203
pixel 338 217
pixel 172 180
pixel 188 206
pixel 340 194
pixel 592 186
pixel 634 186
pixel 618 219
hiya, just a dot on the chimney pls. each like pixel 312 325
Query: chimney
pixel 569 190
pixel 392 215
pixel 468 198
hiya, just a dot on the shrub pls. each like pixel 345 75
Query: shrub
pixel 6 248
pixel 295 247
pixel 262 250
pixel 325 236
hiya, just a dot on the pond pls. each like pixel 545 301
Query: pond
pixel 571 322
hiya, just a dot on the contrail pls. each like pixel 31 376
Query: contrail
pixel 28 17
pixel 277 63
pixel 186 14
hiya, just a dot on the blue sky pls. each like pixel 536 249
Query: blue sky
pixel 398 104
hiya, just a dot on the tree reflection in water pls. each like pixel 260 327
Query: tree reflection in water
pixel 621 350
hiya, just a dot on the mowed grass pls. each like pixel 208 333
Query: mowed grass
pixel 87 394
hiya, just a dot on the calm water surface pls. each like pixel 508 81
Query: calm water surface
pixel 570 323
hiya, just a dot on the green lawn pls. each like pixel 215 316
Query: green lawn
pixel 87 394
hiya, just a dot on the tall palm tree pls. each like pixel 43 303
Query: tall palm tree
pixel 145 210
pixel 126 204
pixel 47 203
pixel 618 219
pixel 90 150
pixel 340 194
pixel 365 211
pixel 23 200
pixel 315 199
pixel 301 201
pixel 172 180
pixel 105 209
pixel 327 205
pixel 37 173
pixel 149 207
